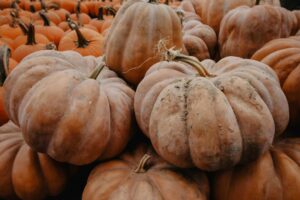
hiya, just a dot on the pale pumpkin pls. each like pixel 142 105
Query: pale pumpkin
pixel 212 12
pixel 140 174
pixel 210 121
pixel 283 55
pixel 68 108
pixel 275 175
pixel 244 30
pixel 131 44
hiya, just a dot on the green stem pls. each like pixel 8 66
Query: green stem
pixel 97 71
pixel 31 35
pixel 142 164
pixel 4 63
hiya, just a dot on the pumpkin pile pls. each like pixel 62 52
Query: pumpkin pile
pixel 148 99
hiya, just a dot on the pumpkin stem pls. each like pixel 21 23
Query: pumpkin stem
pixel 4 63
pixel 14 15
pixel 78 11
pixel 32 8
pixel 97 71
pixel 45 18
pixel 257 2
pixel 167 2
pixel 23 27
pixel 142 164
pixel 111 11
pixel 153 1
pixel 180 14
pixel 50 46
pixel 100 14
pixel 31 35
pixel 43 5
pixel 82 42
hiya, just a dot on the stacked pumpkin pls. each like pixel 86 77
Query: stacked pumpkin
pixel 74 109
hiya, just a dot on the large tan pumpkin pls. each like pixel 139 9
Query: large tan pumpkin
pixel 210 121
pixel 24 173
pixel 131 44
pixel 283 55
pixel 65 111
pixel 141 174
pixel 244 30
pixel 213 11
pixel 275 175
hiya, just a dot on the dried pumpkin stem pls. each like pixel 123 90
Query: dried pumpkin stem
pixel 180 14
pixel 82 42
pixel 111 11
pixel 172 55
pixel 141 167
pixel 257 2
pixel 32 8
pixel 100 14
pixel 78 11
pixel 45 18
pixel 31 35
pixel 43 5
pixel 4 63
pixel 97 71
pixel 14 15
pixel 153 1
pixel 23 27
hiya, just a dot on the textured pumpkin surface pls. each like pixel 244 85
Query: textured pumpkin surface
pixel 213 11
pixel 24 173
pixel 212 122
pixel 66 114
pixel 119 180
pixel 131 44
pixel 275 175
pixel 283 55
pixel 244 30
pixel 199 39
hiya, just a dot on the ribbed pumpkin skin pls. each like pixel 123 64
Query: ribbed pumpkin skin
pixel 283 55
pixel 212 12
pixel 211 123
pixel 64 113
pixel 275 175
pixel 131 44
pixel 117 180
pixel 244 30
pixel 26 174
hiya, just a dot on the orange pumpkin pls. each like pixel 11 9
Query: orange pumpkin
pixel 179 105
pixel 275 175
pixel 26 174
pixel 140 174
pixel 91 116
pixel 30 46
pixel 11 30
pixel 83 40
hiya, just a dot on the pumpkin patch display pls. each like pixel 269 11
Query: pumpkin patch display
pixel 91 113
pixel 141 174
pixel 283 55
pixel 210 115
pixel 275 175
pixel 26 174
pixel 243 30
pixel 131 44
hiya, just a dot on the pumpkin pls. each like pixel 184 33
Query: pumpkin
pixel 131 44
pixel 22 39
pixel 26 174
pixel 283 56
pixel 80 17
pixel 103 22
pixel 52 32
pixel 199 39
pixel 83 40
pixel 90 118
pixel 11 30
pixel 141 174
pixel 7 65
pixel 32 5
pixel 210 115
pixel 244 30
pixel 275 175
pixel 212 12
pixel 30 46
